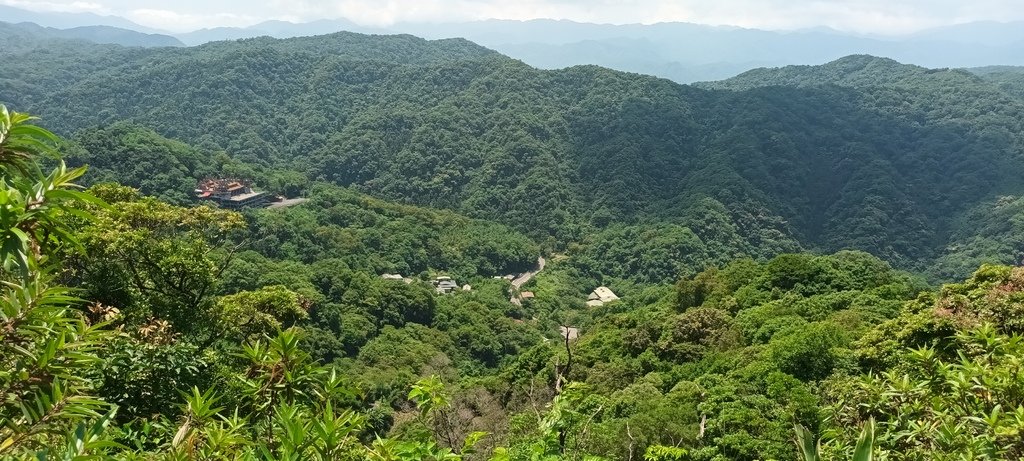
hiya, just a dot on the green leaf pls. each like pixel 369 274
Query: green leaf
pixel 808 445
pixel 865 449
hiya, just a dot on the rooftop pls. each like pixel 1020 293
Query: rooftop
pixel 605 294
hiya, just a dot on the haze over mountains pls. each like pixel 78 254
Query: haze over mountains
pixel 681 52
pixel 95 34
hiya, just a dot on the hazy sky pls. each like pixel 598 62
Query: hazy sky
pixel 869 16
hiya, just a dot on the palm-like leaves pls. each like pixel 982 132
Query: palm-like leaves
pixel 46 348
pixel 31 216
pixel 807 444
pixel 865 449
pixel 965 402
pixel 809 447
pixel 21 142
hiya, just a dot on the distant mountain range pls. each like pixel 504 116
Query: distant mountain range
pixel 58 20
pixel 97 34
pixel 681 52
pixel 277 29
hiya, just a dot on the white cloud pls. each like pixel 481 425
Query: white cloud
pixel 880 16
pixel 58 7
pixel 184 22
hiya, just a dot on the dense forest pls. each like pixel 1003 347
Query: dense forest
pixel 860 153
pixel 778 241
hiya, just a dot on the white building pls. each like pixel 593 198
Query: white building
pixel 600 296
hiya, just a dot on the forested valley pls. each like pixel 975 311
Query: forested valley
pixel 814 262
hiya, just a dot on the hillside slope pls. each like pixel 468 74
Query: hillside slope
pixel 860 153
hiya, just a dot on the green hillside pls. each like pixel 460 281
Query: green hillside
pixel 860 153
pixel 1008 78
pixel 273 357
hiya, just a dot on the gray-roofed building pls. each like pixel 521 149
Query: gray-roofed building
pixel 445 285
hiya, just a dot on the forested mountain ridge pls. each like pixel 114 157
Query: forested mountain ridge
pixel 940 95
pixel 21 38
pixel 98 34
pixel 680 51
pixel 1009 78
pixel 852 71
pixel 883 158
pixel 50 66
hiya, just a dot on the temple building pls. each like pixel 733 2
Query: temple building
pixel 231 193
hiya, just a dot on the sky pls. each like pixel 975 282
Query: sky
pixel 863 16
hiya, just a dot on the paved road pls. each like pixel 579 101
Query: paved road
pixel 526 276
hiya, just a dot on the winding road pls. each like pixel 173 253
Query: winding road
pixel 518 282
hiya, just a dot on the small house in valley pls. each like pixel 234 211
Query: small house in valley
pixel 601 296
pixel 445 284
